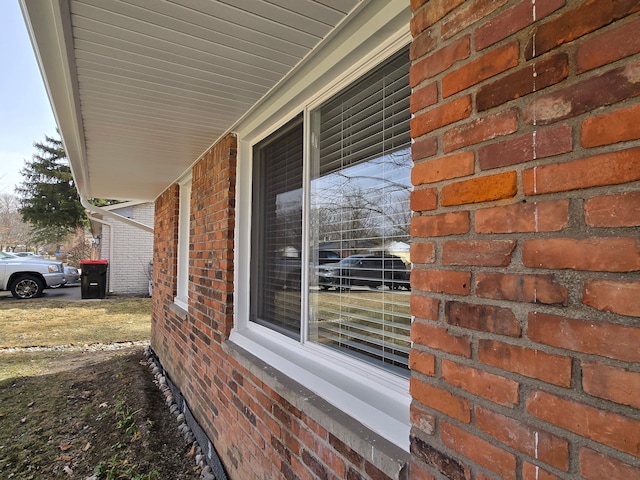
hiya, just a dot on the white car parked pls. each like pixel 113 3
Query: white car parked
pixel 27 277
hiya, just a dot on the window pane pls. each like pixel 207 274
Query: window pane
pixel 277 233
pixel 360 211
pixel 182 290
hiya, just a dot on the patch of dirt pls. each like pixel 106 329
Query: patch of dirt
pixel 91 415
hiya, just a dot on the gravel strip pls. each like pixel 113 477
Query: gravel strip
pixel 93 347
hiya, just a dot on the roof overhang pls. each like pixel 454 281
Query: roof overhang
pixel 141 88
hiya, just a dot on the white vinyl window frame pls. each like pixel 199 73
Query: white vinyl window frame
pixel 182 282
pixel 377 398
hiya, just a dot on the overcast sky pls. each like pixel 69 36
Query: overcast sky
pixel 25 111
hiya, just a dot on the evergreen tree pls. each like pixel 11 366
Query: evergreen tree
pixel 48 196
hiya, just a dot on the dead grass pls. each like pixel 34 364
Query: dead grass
pixel 24 364
pixel 61 410
pixel 89 415
pixel 50 323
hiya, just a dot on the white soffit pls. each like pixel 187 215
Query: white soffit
pixel 141 88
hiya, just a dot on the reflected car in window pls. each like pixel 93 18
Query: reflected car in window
pixel 328 256
pixel 369 270
pixel 287 272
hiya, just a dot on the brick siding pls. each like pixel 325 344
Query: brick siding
pixel 526 339
pixel 254 420
pixel 526 264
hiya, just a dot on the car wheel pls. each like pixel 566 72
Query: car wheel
pixel 27 287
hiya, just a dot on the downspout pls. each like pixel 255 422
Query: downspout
pixel 107 213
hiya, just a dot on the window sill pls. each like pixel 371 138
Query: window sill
pixel 180 310
pixel 341 390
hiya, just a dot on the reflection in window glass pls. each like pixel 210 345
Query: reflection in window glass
pixel 359 209
pixel 357 245
pixel 277 242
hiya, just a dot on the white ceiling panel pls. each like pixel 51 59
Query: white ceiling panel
pixel 142 88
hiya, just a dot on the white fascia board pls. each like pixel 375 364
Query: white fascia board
pixel 49 27
pixel 343 52
pixel 109 214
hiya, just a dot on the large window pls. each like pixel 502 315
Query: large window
pixel 330 228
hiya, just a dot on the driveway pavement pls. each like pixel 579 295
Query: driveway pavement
pixel 69 293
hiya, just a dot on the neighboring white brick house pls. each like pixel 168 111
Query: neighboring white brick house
pixel 128 249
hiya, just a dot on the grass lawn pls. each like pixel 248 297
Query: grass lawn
pixel 87 415
pixel 49 323
pixel 24 364
pixel 83 412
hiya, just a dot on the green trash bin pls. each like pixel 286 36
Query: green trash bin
pixel 93 280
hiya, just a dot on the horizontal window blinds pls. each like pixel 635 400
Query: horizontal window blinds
pixel 276 250
pixel 367 120
pixel 360 190
pixel 360 164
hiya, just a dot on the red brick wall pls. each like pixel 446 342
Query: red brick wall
pixel 257 431
pixel 185 343
pixel 211 241
pixel 526 287
pixel 164 327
